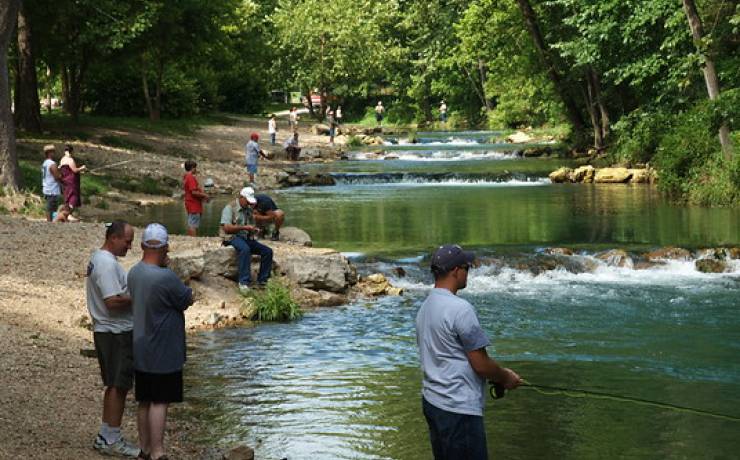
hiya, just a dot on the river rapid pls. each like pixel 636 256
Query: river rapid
pixel 344 383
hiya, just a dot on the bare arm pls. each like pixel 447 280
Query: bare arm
pixel 489 369
pixel 232 229
pixel 118 302
pixel 55 172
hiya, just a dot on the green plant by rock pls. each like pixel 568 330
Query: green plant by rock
pixel 275 302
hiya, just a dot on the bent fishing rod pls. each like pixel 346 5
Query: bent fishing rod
pixel 497 391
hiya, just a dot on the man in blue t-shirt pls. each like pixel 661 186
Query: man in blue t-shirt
pixel 159 300
pixel 452 351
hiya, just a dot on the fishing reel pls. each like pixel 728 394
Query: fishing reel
pixel 497 390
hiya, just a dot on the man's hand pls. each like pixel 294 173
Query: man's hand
pixel 509 379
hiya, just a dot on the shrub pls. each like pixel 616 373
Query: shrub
pixel 275 303
pixel 354 141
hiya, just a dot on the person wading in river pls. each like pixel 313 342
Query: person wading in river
pixel 452 351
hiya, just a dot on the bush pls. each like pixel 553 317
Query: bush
pixel 638 135
pixel 354 141
pixel 275 303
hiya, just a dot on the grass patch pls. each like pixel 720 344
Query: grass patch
pixel 275 303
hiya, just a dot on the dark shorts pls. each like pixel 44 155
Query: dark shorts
pixel 52 203
pixel 455 436
pixel 116 358
pixel 159 388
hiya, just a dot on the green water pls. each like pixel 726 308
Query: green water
pixel 344 383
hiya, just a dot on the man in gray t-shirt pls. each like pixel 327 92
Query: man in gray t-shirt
pixel 109 305
pixel 159 300
pixel 452 351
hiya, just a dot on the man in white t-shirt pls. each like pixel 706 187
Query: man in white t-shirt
pixel 50 177
pixel 452 351
pixel 109 304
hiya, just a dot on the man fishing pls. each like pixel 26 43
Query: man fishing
pixel 452 351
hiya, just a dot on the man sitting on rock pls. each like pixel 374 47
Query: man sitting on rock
pixel 267 213
pixel 292 148
pixel 237 219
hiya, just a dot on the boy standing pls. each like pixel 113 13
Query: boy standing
pixel 194 197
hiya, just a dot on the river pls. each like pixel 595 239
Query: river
pixel 344 382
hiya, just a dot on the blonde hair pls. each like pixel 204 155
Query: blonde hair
pixel 49 148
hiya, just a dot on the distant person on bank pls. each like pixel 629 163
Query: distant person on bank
pixel 339 115
pixel 252 153
pixel 292 148
pixel 332 122
pixel 267 213
pixel 239 229
pixel 293 119
pixel 109 304
pixel 272 128
pixel 443 112
pixel 50 181
pixel 454 361
pixel 194 196
pixel 159 301
pixel 71 179
pixel 379 111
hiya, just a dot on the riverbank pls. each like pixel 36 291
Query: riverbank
pixel 45 328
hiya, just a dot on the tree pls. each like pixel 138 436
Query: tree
pixel 709 70
pixel 9 171
pixel 338 48
pixel 27 106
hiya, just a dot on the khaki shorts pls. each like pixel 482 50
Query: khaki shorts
pixel 116 358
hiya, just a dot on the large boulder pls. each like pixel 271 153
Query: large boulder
pixel 583 174
pixel 519 137
pixel 320 270
pixel 560 175
pixel 309 154
pixel 188 264
pixel 222 262
pixel 668 253
pixel 295 235
pixel 320 129
pixel 640 176
pixel 612 175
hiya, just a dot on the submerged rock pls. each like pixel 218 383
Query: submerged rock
pixel 376 285
pixel 669 253
pixel 559 251
pixel 711 265
pixel 616 258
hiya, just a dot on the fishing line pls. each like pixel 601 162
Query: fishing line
pixel 498 392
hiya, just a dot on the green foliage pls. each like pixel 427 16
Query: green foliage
pixel 30 176
pixel 275 303
pixel 690 163
pixel 354 141
pixel 91 185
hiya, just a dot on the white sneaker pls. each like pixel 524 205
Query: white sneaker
pixel 243 288
pixel 121 448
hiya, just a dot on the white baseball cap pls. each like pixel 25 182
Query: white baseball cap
pixel 248 194
pixel 155 232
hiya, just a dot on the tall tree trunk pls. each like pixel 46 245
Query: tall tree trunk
pixel 9 171
pixel 28 107
pixel 483 71
pixel 530 19
pixel 710 73
pixel 145 87
pixel 48 89
pixel 156 114
pixel 593 112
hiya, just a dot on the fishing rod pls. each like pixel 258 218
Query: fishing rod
pixel 109 165
pixel 497 391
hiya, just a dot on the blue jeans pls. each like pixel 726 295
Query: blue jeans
pixel 244 249
pixel 272 138
pixel 455 436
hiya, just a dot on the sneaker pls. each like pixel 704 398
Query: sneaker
pixel 275 236
pixel 243 288
pixel 121 448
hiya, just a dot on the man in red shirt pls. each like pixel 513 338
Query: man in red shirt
pixel 194 197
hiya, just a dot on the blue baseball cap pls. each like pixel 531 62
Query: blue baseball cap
pixel 449 256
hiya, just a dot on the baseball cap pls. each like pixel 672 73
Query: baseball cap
pixel 154 232
pixel 248 193
pixel 449 256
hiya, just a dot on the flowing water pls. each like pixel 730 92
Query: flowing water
pixel 344 382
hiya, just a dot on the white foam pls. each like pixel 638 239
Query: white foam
pixel 434 156
pixel 464 182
